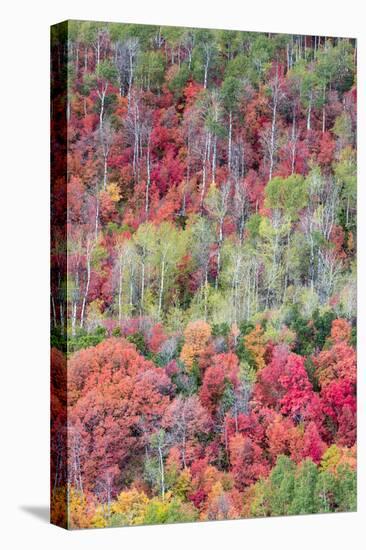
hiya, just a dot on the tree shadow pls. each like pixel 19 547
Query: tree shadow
pixel 40 512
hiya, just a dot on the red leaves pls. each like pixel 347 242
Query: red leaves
pixel 186 419
pixel 339 404
pixel 284 385
pixel 224 371
pixel 326 149
pixel 314 447
pixel 212 388
pixel 117 396
pixel 246 460
pixel 75 199
pixel 156 338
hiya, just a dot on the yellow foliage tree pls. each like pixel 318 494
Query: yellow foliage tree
pixel 183 485
pixel 336 456
pixel 59 507
pixel 80 512
pixel 255 342
pixel 99 518
pixel 114 192
pixel 131 506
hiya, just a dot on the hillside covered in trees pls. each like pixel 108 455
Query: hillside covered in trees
pixel 203 283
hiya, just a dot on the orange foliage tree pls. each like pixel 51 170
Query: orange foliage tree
pixel 196 337
pixel 255 344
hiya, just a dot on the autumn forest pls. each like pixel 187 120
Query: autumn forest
pixel 203 274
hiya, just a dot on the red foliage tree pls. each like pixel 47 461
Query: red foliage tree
pixel 117 397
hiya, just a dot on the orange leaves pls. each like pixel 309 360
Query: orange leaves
pixel 197 335
pixel 341 331
pixel 116 396
pixel 278 436
pixel 337 362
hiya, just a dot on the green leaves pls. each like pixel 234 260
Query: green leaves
pixel 106 71
pixel 290 195
pixel 231 92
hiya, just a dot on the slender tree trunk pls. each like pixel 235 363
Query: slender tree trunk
pixel 131 288
pixel 120 291
pixel 96 211
pixel 205 293
pixel 130 78
pixel 162 473
pixel 62 319
pixel 205 77
pixel 54 317
pixel 73 317
pixel 308 119
pixel 142 282
pixel 293 143
pixel 161 291
pixel 184 449
pixel 230 140
pixel 188 174
pixel 219 245
pixel 98 51
pixel 214 159
pixel 272 145
pixel 105 171
pixel 88 270
pixel 323 117
pixel 204 168
pixel 147 179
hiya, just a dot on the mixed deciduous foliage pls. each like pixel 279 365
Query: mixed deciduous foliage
pixel 203 287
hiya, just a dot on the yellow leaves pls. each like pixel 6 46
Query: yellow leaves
pixel 59 507
pixel 184 484
pixel 196 335
pixel 217 490
pixel 114 192
pixel 132 506
pixel 99 518
pixel 94 312
pixel 79 510
pixel 255 344
pixel 336 456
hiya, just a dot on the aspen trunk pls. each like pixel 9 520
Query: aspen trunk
pixel 323 117
pixel 120 292
pixel 147 179
pixel 88 268
pixel 230 140
pixel 161 291
pixel 162 473
pixel 214 159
